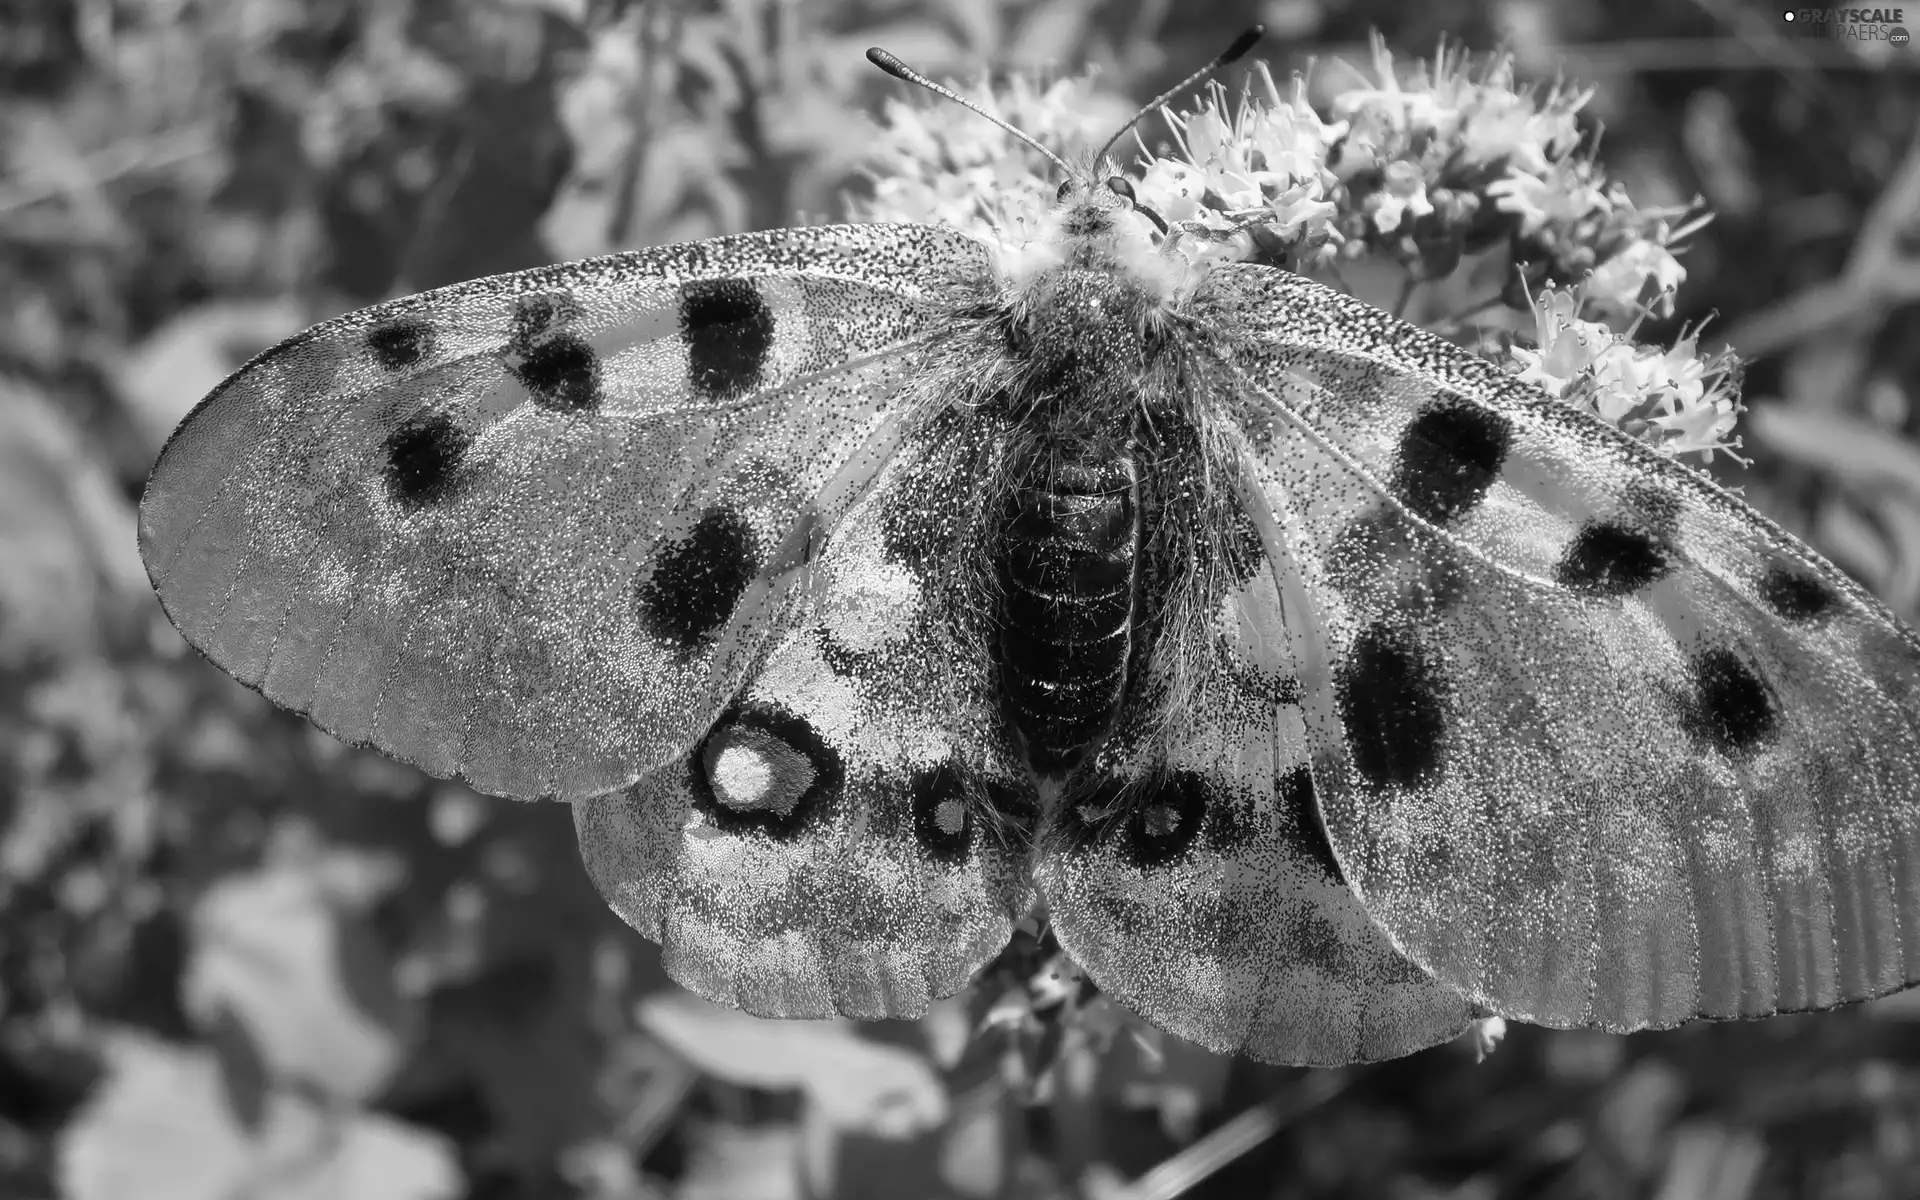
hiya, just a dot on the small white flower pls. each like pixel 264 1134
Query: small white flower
pixel 1701 427
pixel 1566 194
pixel 1566 347
pixel 1674 399
pixel 1395 107
pixel 1620 281
pixel 1172 188
pixel 1403 195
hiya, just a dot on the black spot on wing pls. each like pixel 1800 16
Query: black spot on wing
pixel 1794 594
pixel 1293 793
pixel 697 580
pixel 558 368
pixel 1731 709
pixel 400 344
pixel 1608 559
pixel 942 814
pixel 728 332
pixel 803 773
pixel 1393 701
pixel 424 457
pixel 1148 824
pixel 1449 456
pixel 562 373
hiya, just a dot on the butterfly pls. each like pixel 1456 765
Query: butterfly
pixel 865 587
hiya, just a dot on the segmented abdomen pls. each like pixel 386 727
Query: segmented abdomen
pixel 1066 606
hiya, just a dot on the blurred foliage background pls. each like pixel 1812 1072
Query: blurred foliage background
pixel 238 959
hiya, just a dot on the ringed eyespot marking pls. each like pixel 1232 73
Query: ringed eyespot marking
pixel 400 344
pixel 763 770
pixel 1731 708
pixel 1393 700
pixel 1449 456
pixel 1607 560
pixel 728 332
pixel 424 457
pixel 697 580
pixel 1793 594
pixel 942 819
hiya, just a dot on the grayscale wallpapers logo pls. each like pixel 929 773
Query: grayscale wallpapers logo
pixel 1848 24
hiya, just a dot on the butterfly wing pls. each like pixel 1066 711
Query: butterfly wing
pixel 842 840
pixel 1196 887
pixel 530 530
pixel 1594 742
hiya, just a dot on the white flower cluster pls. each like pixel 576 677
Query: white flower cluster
pixel 1424 165
pixel 1676 399
pixel 1251 179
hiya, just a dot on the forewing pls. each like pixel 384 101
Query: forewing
pixel 841 840
pixel 1196 887
pixel 528 530
pixel 1593 741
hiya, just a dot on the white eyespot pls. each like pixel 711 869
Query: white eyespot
pixel 751 770
pixel 950 816
pixel 741 778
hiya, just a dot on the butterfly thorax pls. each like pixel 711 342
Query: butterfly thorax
pixel 1081 337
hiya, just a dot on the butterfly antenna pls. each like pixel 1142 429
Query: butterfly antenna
pixel 1230 55
pixel 899 70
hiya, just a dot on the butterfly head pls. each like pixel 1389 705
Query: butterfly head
pixel 1097 221
pixel 1096 203
pixel 1095 224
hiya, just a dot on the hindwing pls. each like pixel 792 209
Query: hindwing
pixel 848 835
pixel 1189 875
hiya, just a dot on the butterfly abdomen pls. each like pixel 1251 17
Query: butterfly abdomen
pixel 1066 604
